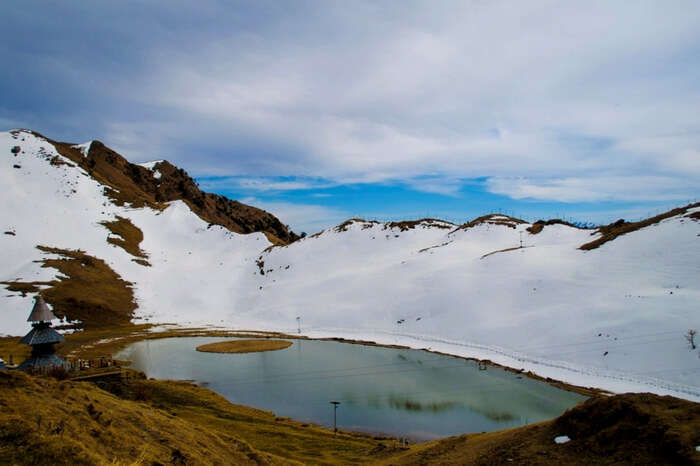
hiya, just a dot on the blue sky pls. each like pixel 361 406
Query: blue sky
pixel 317 203
pixel 323 110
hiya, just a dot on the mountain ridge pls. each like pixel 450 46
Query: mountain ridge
pixel 135 185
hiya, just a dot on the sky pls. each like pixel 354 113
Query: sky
pixel 319 111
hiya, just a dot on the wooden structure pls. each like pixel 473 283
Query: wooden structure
pixel 42 339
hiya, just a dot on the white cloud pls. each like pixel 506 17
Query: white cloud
pixel 364 91
pixel 594 189
pixel 473 89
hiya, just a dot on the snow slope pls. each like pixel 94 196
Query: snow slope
pixel 613 317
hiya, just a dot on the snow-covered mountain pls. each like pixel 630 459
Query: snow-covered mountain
pixel 611 315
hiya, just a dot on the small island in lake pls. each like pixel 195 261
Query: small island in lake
pixel 244 346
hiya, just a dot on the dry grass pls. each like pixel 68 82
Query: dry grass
pixel 502 250
pixel 619 228
pixel 88 289
pixel 491 219
pixel 344 226
pixel 411 224
pixel 45 422
pixel 539 225
pixel 129 237
pixel 11 351
pixel 24 287
pixel 244 346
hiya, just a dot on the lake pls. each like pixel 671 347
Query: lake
pixel 398 392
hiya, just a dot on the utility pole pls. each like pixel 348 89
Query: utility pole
pixel 335 418
pixel 298 324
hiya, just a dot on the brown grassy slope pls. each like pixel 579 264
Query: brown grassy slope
pixel 45 422
pixel 641 429
pixel 88 289
pixel 620 227
pixel 136 185
pixel 129 236
pixel 411 224
pixel 539 225
pixel 489 219
pixel 244 346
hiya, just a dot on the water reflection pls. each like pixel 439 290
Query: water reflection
pixel 415 405
pixel 381 390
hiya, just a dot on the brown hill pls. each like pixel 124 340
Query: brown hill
pixel 126 182
pixel 621 227
pixel 640 429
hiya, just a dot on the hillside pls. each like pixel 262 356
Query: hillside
pixel 152 184
pixel 612 314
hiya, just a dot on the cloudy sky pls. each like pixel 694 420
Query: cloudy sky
pixel 323 110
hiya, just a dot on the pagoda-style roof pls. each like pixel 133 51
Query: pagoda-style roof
pixel 41 312
pixel 42 361
pixel 42 335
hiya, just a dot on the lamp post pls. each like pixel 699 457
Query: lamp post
pixel 335 410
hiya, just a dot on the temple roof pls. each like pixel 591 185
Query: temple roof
pixel 41 312
pixel 43 361
pixel 42 335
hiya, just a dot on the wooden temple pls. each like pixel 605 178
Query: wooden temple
pixel 42 339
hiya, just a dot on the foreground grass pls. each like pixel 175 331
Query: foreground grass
pixel 46 422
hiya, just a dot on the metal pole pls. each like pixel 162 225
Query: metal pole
pixel 335 410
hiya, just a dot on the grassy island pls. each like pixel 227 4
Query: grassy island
pixel 244 346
